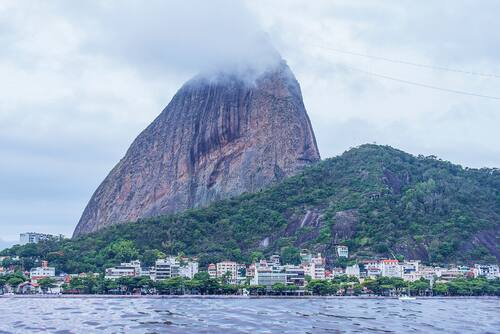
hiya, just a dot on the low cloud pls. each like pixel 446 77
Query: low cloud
pixel 80 80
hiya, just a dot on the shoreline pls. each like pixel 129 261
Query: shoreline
pixel 55 296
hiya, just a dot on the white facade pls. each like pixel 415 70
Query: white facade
pixel 34 238
pixel 43 271
pixel 189 269
pixel 131 269
pixel 167 268
pixel 352 270
pixel 342 251
pixel 410 270
pixel 390 268
pixel 268 278
pixel 490 271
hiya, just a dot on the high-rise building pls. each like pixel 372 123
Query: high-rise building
pixel 34 238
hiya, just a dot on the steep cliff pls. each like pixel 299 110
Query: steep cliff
pixel 218 137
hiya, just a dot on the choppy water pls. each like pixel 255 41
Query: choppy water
pixel 143 315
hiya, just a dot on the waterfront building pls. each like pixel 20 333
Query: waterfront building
pixel 42 272
pixel 266 277
pixel 228 269
pixel 490 271
pixel 28 288
pixel 371 268
pixel 390 268
pixel 212 270
pixel 295 275
pixel 410 270
pixel 129 269
pixel 167 268
pixel 188 269
pixel 448 274
pixel 342 251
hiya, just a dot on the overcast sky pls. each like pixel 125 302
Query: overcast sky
pixel 78 82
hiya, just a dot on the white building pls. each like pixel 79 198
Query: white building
pixel 490 271
pixel 342 251
pixel 131 269
pixel 167 268
pixel 410 270
pixel 372 268
pixel 42 272
pixel 295 275
pixel 34 238
pixel 390 268
pixel 188 269
pixel 267 277
pixel 353 270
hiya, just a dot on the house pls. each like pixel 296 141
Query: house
pixel 342 251
pixel 371 268
pixel 42 272
pixel 29 288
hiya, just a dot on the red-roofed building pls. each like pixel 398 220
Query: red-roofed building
pixel 28 288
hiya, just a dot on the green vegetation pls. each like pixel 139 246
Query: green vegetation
pixel 400 205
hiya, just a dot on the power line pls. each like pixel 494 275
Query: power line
pixel 396 61
pixel 421 84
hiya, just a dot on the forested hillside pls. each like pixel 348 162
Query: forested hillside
pixel 379 201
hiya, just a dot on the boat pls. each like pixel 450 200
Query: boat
pixel 406 298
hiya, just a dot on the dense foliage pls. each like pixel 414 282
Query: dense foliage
pixel 400 206
pixel 202 284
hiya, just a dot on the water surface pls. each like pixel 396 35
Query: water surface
pixel 195 315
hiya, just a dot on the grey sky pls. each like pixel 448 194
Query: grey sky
pixel 78 82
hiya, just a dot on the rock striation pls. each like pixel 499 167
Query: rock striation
pixel 218 137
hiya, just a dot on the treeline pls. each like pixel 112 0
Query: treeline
pixel 202 284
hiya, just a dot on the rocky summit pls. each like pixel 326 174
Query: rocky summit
pixel 218 137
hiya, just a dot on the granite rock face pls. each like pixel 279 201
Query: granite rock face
pixel 217 138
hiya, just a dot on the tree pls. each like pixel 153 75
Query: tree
pixel 47 283
pixel 440 289
pixel 279 288
pixel 290 255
